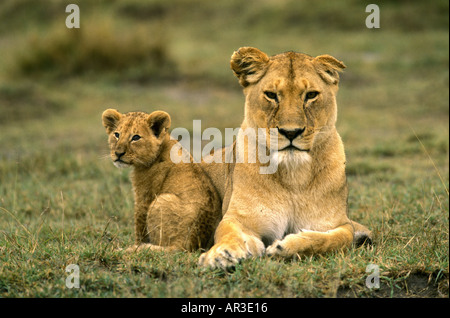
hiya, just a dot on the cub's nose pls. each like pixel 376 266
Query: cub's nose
pixel 119 154
pixel 291 134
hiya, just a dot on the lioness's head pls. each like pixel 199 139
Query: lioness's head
pixel 292 93
pixel 135 138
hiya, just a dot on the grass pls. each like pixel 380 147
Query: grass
pixel 62 201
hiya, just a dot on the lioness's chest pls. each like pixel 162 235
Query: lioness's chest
pixel 295 212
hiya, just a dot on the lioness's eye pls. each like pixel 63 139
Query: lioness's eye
pixel 271 95
pixel 311 95
pixel 136 137
pixel 116 134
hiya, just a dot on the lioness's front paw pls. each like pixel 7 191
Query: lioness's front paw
pixel 222 257
pixel 275 249
pixel 282 248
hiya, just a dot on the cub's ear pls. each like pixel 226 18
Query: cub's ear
pixel 328 68
pixel 110 119
pixel 159 122
pixel 249 65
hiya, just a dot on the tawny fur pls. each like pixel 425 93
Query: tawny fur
pixel 176 205
pixel 301 209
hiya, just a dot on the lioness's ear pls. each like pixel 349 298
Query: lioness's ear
pixel 249 65
pixel 328 68
pixel 110 118
pixel 159 122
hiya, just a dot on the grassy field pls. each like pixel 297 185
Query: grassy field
pixel 62 201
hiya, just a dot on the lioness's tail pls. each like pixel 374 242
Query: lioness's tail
pixel 361 234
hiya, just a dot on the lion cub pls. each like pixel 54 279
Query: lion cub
pixel 176 205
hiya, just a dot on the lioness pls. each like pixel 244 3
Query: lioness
pixel 300 209
pixel 176 205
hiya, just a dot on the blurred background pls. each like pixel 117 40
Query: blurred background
pixel 55 82
pixel 174 55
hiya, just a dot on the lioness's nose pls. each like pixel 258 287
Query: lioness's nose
pixel 119 154
pixel 291 134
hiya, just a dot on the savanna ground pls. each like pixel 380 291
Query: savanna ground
pixel 63 202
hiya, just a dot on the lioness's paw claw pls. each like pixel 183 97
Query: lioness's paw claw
pixel 221 258
pixel 276 249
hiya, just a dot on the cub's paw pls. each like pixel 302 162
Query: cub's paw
pixel 146 247
pixel 130 249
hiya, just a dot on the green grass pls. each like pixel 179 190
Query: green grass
pixel 62 201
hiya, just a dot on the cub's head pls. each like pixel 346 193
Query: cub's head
pixel 135 138
pixel 292 93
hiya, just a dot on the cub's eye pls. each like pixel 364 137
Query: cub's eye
pixel 135 137
pixel 311 95
pixel 116 134
pixel 271 95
